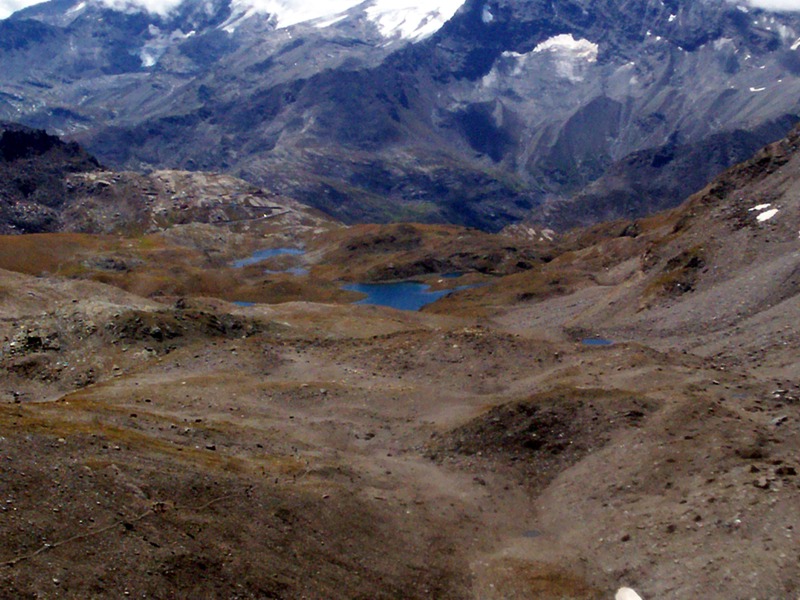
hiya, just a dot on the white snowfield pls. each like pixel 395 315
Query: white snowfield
pixel 295 11
pixel 407 19
pixel 571 54
pixel 567 44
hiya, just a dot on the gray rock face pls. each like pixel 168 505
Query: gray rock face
pixel 33 168
pixel 557 110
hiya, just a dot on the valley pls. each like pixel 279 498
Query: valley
pixel 159 440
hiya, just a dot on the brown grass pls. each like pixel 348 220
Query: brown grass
pixel 48 253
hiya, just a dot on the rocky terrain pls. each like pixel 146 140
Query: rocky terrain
pixel 615 406
pixel 33 166
pixel 481 114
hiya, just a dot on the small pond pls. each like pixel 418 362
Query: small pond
pixel 403 295
pixel 596 342
pixel 294 271
pixel 260 255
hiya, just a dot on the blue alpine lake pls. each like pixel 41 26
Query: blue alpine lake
pixel 260 255
pixel 596 342
pixel 403 295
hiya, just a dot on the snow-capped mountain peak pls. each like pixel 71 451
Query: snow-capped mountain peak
pixel 406 19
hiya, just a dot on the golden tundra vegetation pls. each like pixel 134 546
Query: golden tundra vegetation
pixel 617 407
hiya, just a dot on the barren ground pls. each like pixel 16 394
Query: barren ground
pixel 320 451
pixel 159 441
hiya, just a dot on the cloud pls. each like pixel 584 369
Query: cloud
pixel 9 6
pixel 293 11
pixel 289 11
pixel 154 6
pixel 778 5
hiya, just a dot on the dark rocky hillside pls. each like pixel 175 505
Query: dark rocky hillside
pixel 33 168
pixel 48 185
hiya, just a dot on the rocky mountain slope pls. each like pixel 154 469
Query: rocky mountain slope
pixel 501 114
pixel 618 406
pixel 48 185
pixel 33 171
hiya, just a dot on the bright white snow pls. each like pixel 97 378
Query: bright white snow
pixel 755 89
pixel 76 8
pixel 408 19
pixel 626 593
pixel 760 207
pixel 780 5
pixel 10 6
pixel 570 54
pixel 580 48
pixel 766 216
pixel 153 6
pixel 292 12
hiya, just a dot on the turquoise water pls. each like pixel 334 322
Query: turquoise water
pixel 403 295
pixel 260 255
pixel 596 342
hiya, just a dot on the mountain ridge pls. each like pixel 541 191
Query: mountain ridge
pixel 507 108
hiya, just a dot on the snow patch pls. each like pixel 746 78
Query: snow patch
pixel 76 8
pixel 410 21
pixel 407 19
pixel 759 207
pixel 796 45
pixel 161 7
pixel 776 5
pixel 330 22
pixel 672 18
pixel 626 593
pixel 487 16
pixel 570 54
pixel 754 89
pixel 291 12
pixel 766 216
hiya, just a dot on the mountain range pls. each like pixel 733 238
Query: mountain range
pixel 484 113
